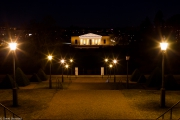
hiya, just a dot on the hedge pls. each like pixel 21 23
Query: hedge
pixel 35 78
pixel 21 78
pixel 41 74
pixel 142 79
pixel 155 78
pixel 171 83
pixel 135 75
pixel 7 82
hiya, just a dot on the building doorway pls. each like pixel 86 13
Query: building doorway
pixel 90 42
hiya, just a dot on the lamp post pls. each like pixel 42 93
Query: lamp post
pixel 106 60
pixel 71 60
pixel 162 97
pixel 67 66
pixel 12 47
pixel 127 82
pixel 62 62
pixel 50 82
pixel 110 66
pixel 114 61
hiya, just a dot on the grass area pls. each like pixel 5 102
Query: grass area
pixel 147 102
pixel 31 101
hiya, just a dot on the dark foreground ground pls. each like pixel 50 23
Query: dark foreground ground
pixel 89 98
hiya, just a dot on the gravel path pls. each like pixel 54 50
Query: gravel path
pixel 89 104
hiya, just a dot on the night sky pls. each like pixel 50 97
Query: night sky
pixel 87 13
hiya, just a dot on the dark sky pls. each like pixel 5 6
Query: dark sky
pixel 87 13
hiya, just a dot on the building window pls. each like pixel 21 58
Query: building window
pixel 76 42
pixel 104 41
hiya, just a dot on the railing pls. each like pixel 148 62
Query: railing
pixel 170 109
pixel 58 83
pixel 5 109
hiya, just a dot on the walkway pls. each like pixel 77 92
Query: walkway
pixel 85 104
pixel 88 98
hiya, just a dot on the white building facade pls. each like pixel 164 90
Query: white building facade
pixel 90 39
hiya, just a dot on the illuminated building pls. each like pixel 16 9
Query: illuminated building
pixel 90 40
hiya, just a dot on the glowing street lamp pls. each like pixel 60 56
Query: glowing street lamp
pixel 106 61
pixel 127 82
pixel 163 46
pixel 67 66
pixel 50 82
pixel 62 62
pixel 71 61
pixel 12 47
pixel 162 97
pixel 110 66
pixel 49 57
pixel 114 62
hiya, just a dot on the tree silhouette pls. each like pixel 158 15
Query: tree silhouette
pixel 158 20
pixel 146 24
pixel 174 21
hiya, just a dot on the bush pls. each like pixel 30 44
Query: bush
pixel 21 78
pixel 141 79
pixel 35 78
pixel 171 83
pixel 42 75
pixel 7 82
pixel 155 78
pixel 135 75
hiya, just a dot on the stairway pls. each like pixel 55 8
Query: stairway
pixel 7 113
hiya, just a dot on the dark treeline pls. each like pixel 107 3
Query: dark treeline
pixel 40 38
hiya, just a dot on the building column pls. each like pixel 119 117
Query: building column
pixel 80 41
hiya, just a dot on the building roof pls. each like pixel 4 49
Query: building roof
pixel 90 35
